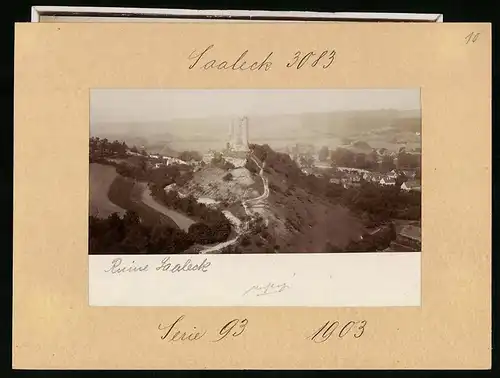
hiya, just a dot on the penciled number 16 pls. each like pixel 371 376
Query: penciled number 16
pixel 322 59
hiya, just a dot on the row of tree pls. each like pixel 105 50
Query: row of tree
pixel 103 148
pixel 190 156
pixel 343 157
pixel 129 235
pixel 375 242
pixel 378 204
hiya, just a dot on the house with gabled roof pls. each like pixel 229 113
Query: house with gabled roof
pixel 376 177
pixel 388 181
pixel 409 173
pixel 411 185
pixel 392 174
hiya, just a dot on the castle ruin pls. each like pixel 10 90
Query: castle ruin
pixel 238 135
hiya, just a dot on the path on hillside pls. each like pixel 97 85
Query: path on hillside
pixel 265 194
pixel 240 227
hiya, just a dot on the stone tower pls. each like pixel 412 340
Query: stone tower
pixel 238 134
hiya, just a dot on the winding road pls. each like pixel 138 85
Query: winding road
pixel 239 226
pixel 182 221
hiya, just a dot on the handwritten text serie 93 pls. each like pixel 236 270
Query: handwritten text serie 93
pixel 178 331
pixel 205 60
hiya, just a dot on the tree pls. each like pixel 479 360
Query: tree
pixel 306 161
pixel 343 158
pixel 408 161
pixel 131 218
pixel 323 153
pixel 190 155
pixel 400 179
pixel 418 174
pixel 136 239
pixel 143 165
pixel 200 233
pixel 330 248
pixel 387 164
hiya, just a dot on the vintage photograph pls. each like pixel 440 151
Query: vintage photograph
pixel 254 171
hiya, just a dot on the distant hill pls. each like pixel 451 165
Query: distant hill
pixel 278 131
pixel 360 147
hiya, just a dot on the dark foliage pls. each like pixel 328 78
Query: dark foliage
pixel 130 235
pixel 213 226
pixel 103 148
pixel 378 241
pixel 190 155
pixel 219 162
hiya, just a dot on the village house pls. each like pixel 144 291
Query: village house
pixel 410 237
pixel 351 170
pixel 351 181
pixel 409 174
pixel 411 185
pixel 387 181
pixel 335 181
pixel 407 240
pixel 392 174
pixel 171 161
pixel 133 153
pixel 307 171
pixel 207 158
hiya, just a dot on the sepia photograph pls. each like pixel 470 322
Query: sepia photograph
pixel 254 171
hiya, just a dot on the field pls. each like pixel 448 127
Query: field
pixel 101 178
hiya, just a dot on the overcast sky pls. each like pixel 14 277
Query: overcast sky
pixel 156 105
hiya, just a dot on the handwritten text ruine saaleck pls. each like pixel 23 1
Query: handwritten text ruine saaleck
pixel 206 59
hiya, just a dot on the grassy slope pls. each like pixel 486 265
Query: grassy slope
pixel 311 220
pixel 101 178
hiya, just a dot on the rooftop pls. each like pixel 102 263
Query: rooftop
pixel 389 180
pixel 412 184
pixel 411 232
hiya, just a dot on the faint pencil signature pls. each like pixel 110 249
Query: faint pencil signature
pixel 270 288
